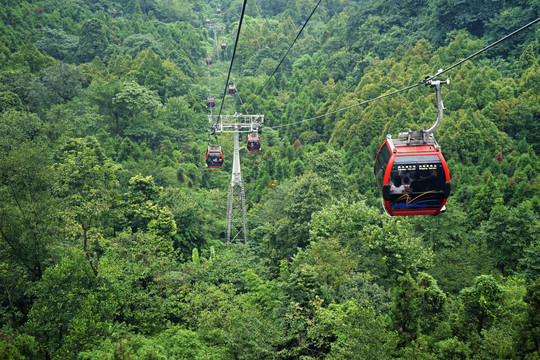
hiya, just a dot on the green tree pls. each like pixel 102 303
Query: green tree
pixel 407 311
pixel 486 198
pixel 73 308
pixel 322 269
pixel 136 43
pixel 87 179
pixel 527 59
pixel 353 331
pixel 19 128
pixel 10 100
pixel 134 104
pixel 58 44
pixel 531 335
pixel 28 238
pixel 482 303
pixel 57 84
pixel 92 40
pixel 30 59
pixel 508 232
pixel 103 94
pixel 329 166
pixel 388 247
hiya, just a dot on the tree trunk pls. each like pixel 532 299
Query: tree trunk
pixel 85 248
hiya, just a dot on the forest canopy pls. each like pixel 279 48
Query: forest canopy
pixel 113 232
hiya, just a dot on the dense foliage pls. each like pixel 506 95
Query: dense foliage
pixel 112 230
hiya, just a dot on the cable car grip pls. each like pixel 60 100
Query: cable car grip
pixel 440 106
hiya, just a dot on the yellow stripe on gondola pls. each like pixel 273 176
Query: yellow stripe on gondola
pixel 409 201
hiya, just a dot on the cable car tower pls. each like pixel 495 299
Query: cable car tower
pixel 237 123
pixel 216 27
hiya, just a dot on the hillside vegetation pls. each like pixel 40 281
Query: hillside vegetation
pixel 112 230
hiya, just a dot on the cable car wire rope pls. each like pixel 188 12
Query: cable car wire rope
pixel 233 55
pixel 424 81
pixel 348 107
pixel 288 50
pixel 241 102
pixel 484 49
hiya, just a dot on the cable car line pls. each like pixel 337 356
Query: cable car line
pixel 241 102
pixel 288 50
pixel 484 49
pixel 348 107
pixel 424 81
pixel 233 55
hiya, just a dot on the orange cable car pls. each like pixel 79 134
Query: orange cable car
pixel 411 172
pixel 253 142
pixel 214 157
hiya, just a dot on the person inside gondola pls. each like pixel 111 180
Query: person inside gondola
pixel 418 185
pixel 397 186
pixel 406 174
pixel 432 180
pixel 407 184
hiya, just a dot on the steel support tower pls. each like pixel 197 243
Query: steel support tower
pixel 216 27
pixel 237 227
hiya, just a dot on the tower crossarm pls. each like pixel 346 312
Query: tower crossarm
pixel 236 123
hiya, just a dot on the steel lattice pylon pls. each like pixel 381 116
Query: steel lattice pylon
pixel 237 227
pixel 215 28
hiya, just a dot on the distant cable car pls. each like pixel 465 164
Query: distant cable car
pixel 218 11
pixel 208 22
pixel 214 157
pixel 411 172
pixel 232 90
pixel 223 46
pixel 210 103
pixel 253 142
pixel 209 61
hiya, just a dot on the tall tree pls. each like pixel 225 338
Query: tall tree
pixel 93 40
pixel 87 181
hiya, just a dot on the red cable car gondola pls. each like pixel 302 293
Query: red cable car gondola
pixel 214 156
pixel 412 176
pixel 223 46
pixel 210 103
pixel 209 61
pixel 411 172
pixel 253 142
pixel 232 90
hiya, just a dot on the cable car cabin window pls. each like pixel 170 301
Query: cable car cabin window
pixel 380 163
pixel 417 182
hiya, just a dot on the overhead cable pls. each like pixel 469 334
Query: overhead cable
pixel 348 107
pixel 486 48
pixel 288 50
pixel 424 81
pixel 232 59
